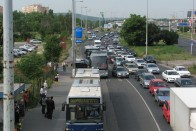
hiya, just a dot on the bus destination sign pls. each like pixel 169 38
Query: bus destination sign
pixel 84 100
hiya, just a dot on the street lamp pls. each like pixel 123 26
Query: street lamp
pixel 147 29
pixel 81 14
pixel 192 21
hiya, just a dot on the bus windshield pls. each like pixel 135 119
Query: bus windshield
pixel 99 62
pixel 84 113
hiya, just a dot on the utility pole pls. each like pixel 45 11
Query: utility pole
pixel 147 30
pixel 8 64
pixel 73 37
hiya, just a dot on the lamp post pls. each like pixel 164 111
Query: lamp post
pixel 81 14
pixel 73 36
pixel 192 31
pixel 147 29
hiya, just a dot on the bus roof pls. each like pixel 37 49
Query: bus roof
pixel 98 53
pixel 82 91
pixel 88 47
pixel 87 73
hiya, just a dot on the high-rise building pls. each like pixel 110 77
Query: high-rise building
pixel 35 8
pixel 1 9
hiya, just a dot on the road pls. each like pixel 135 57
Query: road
pixel 186 44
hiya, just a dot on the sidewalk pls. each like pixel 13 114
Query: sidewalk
pixel 34 120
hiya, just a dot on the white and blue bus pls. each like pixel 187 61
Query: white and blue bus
pixel 84 106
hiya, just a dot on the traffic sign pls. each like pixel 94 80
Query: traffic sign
pixel 78 41
pixel 78 32
pixel 184 24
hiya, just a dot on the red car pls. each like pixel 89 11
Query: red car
pixel 156 84
pixel 166 111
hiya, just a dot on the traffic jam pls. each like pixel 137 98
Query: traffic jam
pixel 124 63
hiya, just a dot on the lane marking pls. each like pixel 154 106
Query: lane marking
pixel 146 105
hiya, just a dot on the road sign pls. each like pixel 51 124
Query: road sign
pixel 78 41
pixel 185 24
pixel 78 32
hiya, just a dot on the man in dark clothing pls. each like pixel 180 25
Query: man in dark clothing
pixel 50 107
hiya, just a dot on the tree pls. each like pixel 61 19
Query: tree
pixel 134 31
pixel 169 37
pixel 31 66
pixel 52 49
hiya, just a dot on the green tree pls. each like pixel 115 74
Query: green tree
pixel 52 49
pixel 31 66
pixel 1 33
pixel 133 30
pixel 169 37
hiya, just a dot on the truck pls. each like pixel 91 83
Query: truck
pixel 183 109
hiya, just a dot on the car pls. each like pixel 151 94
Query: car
pixel 132 52
pixel 129 58
pixel 138 73
pixel 145 79
pixel 156 84
pixel 131 67
pixel 182 71
pixel 152 68
pixel 162 95
pixel 140 62
pixel 166 110
pixel 120 71
pixel 35 41
pixel 184 82
pixel 123 54
pixel 150 59
pixel 118 60
pixel 170 75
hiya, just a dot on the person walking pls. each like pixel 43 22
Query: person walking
pixel 50 107
pixel 64 66
pixel 43 104
pixel 45 85
pixel 26 99
pixel 56 79
pixel 41 92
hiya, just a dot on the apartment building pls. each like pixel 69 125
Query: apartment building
pixel 35 8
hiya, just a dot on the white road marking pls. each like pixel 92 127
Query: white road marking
pixel 146 105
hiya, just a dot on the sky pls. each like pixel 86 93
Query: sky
pixel 116 8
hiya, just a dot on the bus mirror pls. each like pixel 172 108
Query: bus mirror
pixel 63 106
pixel 104 106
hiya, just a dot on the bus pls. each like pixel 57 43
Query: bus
pixel 99 60
pixel 88 50
pixel 84 106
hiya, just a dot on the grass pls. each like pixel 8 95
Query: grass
pixel 162 52
pixel 192 69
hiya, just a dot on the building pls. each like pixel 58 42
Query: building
pixel 35 8
pixel 1 9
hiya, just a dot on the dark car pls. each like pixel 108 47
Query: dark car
pixel 150 59
pixel 184 82
pixel 120 71
pixel 132 52
pixel 139 72
pixel 161 95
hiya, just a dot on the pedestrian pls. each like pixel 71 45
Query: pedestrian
pixel 45 85
pixel 17 115
pixel 47 104
pixel 41 92
pixel 50 107
pixel 64 66
pixel 26 99
pixel 43 104
pixel 56 79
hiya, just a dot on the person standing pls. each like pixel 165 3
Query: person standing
pixel 45 85
pixel 64 66
pixel 56 79
pixel 50 107
pixel 41 91
pixel 26 99
pixel 43 104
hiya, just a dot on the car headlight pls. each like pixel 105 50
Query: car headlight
pixel 146 83
pixel 119 73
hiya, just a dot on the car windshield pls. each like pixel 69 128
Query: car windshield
pixel 163 93
pixel 152 65
pixel 140 61
pixel 149 77
pixel 142 71
pixel 119 59
pixel 172 73
pixel 182 69
pixel 132 66
pixel 186 82
pixel 159 84
pixel 130 56
pixel 121 69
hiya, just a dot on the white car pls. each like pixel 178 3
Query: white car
pixel 170 75
pixel 129 58
pixel 182 71
pixel 140 62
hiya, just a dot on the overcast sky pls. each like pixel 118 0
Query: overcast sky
pixel 116 8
